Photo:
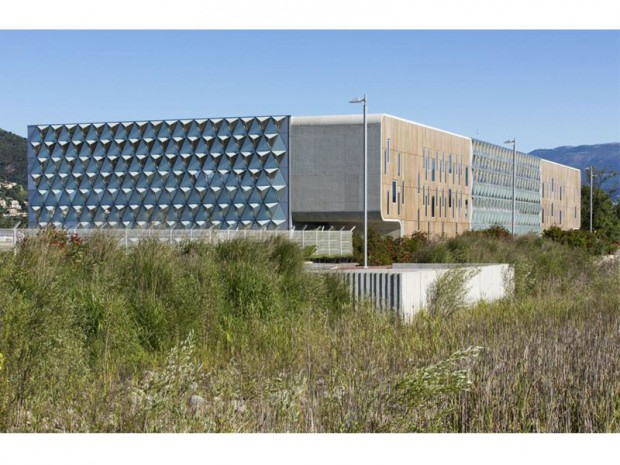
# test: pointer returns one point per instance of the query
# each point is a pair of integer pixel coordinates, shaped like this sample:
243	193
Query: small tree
605	217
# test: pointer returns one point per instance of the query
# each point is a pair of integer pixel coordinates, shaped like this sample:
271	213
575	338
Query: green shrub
448	293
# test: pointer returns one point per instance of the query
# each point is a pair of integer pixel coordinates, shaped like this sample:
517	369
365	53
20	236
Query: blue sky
546	88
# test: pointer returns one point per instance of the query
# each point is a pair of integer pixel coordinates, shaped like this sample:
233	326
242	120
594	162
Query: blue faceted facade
211	172
492	188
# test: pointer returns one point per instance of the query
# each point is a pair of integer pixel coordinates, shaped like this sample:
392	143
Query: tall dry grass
238	338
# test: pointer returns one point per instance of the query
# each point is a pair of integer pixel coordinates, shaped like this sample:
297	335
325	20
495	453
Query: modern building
560	195
210	172
418	176
279	172
492	191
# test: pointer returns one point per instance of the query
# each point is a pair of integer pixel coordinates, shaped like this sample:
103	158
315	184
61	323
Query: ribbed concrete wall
404	288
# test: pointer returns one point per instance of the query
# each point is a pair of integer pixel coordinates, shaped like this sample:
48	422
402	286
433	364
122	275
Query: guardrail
327	243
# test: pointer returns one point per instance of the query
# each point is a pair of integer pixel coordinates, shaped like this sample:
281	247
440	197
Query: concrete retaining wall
404	287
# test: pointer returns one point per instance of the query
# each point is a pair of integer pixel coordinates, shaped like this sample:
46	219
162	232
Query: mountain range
13	164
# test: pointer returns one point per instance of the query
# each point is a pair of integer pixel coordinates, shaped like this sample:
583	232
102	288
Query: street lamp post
365	102
591	190
514	180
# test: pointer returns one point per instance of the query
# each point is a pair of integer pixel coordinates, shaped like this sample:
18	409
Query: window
466	175
398	204
552	210
575	212
403	192
450	164
560	216
387	198
418	182
387	156
399	163
433	206
560	195
449	197
542	213
418	219
552	187
394	191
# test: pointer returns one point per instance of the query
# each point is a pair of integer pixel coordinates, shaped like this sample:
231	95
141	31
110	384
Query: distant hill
13	158
601	156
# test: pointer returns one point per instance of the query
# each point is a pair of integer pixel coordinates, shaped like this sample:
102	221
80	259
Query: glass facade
492	188
212	172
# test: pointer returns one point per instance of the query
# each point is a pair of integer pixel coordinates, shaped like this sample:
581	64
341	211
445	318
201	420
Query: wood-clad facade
560	196
425	178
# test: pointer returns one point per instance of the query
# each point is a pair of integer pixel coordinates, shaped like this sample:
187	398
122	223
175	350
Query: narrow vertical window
543	188
449	198
542	215
433	170
394	191
560	216
387	198
399	163
433	206
552	210
466	176
403	192
398	203
418	218
575	212
560	192
450	164
418	182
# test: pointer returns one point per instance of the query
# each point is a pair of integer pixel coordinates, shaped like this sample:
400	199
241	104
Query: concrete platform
404	287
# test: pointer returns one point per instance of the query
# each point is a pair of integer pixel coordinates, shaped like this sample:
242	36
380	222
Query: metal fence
326	243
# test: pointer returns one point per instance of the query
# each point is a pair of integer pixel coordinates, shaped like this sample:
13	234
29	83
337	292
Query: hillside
601	156
13	162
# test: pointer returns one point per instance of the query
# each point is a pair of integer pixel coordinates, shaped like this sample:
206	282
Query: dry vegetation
238	338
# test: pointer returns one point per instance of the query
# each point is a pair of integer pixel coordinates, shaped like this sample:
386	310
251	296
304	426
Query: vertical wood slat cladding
560	181
452	197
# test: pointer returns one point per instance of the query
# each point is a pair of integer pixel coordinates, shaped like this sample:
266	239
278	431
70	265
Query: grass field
236	337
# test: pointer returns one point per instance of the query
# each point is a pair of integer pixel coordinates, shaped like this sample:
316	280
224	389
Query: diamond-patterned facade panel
212	172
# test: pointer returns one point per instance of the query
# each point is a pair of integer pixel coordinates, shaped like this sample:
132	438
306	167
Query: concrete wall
404	288
327	163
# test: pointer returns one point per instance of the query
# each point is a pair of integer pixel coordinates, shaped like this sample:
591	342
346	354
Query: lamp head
356	100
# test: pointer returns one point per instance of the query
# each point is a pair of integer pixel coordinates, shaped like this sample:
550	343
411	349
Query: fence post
329	242
15	237
316	240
